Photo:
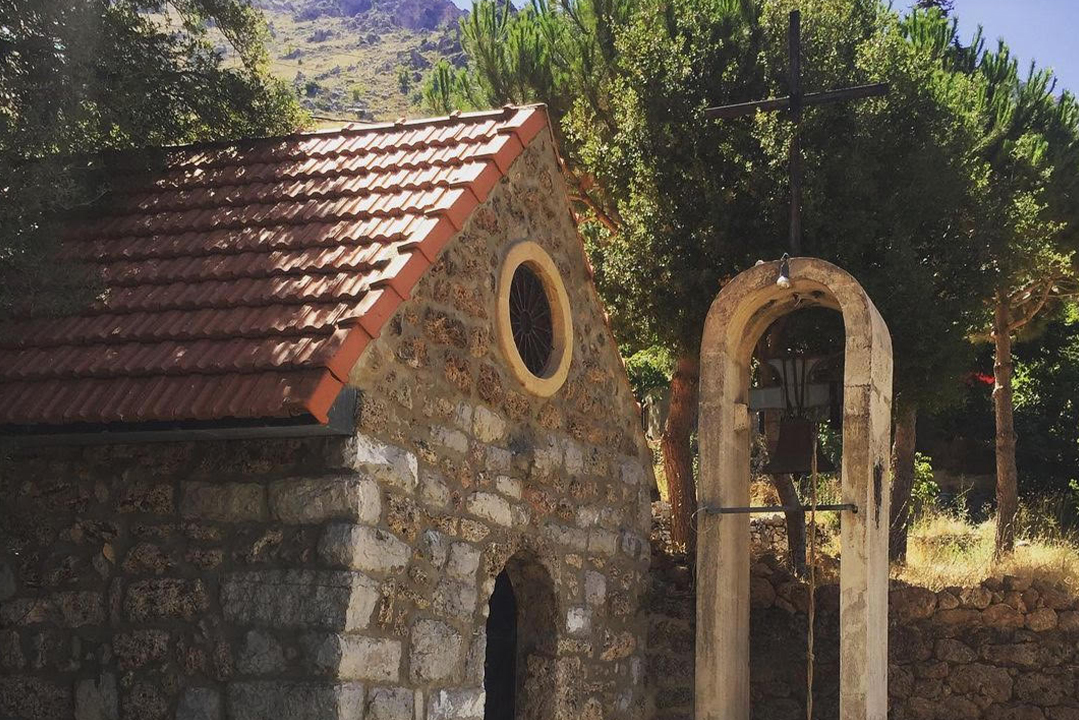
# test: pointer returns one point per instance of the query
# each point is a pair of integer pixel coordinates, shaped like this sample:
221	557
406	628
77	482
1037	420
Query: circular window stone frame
540	263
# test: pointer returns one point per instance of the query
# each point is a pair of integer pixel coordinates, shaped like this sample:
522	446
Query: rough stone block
464	561
390	704
316	500
912	603
137	648
434	547
633	472
1003	616
547	458
199	703
387	463
574	458
595	587
277	700
579	621
510	487
436	651
992	683
456	599
462	416
433	489
499	459
955	651
96	699
603	542
567	537
335	600
224	502
361	547
355	657
165	598
1068	621
490	507
260	654
79	607
34	698
1042	619
449	439
488	426
456	704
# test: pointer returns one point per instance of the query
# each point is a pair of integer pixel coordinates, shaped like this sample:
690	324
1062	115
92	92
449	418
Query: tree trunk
906	424
1007	489
796	522
677	454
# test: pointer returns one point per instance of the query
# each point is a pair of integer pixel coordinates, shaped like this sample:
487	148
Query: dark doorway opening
500	664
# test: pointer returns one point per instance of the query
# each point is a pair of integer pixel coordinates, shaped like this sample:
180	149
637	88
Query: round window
530	319
535	326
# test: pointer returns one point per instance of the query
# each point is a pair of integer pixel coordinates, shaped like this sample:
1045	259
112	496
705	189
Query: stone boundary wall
1005	650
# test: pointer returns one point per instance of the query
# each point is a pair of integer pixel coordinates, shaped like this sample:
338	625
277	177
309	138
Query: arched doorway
522	641
739	315
500	662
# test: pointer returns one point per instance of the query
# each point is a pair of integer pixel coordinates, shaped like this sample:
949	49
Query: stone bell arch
740	314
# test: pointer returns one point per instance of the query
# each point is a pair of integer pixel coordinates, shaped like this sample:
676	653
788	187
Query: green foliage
674	204
925	490
648	369
1047	406
80	78
404	80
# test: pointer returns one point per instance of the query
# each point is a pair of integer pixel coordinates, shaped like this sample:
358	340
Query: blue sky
1043	30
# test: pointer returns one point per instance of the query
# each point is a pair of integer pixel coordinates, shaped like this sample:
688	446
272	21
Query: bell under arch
738	317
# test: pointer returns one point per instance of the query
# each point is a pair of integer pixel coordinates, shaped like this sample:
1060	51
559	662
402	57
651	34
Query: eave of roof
246	280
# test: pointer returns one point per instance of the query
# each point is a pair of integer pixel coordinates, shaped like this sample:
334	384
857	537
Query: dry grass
947	549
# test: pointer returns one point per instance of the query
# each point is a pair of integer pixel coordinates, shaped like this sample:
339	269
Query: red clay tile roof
244	282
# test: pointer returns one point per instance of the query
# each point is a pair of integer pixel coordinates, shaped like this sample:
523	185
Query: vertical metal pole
794	49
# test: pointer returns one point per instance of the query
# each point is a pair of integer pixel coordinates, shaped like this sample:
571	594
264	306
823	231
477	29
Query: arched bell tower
740	314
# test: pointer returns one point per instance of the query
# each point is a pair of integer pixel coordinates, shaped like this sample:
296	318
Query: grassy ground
947	548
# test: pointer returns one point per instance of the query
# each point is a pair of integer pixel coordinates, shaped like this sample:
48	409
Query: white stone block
435	651
316	500
464	561
362	547
367	658
456	704
387	463
510	487
595	588
449	439
490	507
579	621
488	426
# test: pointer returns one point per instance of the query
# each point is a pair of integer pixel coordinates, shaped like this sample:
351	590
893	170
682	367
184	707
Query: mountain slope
360	59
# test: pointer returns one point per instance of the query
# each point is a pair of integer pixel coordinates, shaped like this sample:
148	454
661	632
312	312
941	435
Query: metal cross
794	103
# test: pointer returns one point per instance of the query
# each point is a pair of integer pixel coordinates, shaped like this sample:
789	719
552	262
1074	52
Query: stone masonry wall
562	482
1005	650
349	579
186	580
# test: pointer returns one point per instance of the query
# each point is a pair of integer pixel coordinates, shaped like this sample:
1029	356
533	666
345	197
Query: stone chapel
346	437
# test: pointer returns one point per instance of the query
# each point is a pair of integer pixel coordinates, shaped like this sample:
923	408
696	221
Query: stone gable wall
349	578
1005	650
500	473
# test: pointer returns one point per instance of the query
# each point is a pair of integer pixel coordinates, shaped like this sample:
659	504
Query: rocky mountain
360	59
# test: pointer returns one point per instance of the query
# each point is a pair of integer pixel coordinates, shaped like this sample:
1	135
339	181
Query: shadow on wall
522	641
